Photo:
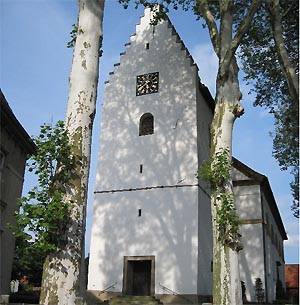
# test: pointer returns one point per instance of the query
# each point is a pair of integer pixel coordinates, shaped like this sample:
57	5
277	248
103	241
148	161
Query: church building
152	231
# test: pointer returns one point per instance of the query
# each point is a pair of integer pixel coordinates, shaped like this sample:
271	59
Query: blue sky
35	66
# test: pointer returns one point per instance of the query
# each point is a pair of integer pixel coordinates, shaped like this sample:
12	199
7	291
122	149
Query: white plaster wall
237	175
251	257
259	256
171	153
166	229
248	203
205	256
169	225
272	254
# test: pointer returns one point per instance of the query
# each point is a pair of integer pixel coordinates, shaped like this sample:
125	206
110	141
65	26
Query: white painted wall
167	229
272	254
260	255
247	200
174	220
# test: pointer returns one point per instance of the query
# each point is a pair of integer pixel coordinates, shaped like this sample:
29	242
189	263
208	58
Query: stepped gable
145	19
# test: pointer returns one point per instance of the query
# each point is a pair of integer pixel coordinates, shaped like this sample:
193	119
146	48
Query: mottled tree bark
226	276
226	279
63	276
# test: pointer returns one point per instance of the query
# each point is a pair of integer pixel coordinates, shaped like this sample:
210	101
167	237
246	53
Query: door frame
127	259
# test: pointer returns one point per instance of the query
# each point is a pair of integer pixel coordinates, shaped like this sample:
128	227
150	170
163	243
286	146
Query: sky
35	65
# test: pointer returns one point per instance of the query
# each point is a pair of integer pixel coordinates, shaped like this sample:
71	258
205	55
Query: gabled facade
152	232
262	232
15	145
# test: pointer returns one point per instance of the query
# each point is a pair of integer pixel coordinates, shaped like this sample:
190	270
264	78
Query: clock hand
145	84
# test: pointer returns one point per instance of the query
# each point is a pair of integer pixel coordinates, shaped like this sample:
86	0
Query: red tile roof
292	275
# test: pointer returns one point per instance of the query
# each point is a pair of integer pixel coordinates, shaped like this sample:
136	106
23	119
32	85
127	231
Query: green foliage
28	260
286	146
227	219
262	69
240	8
43	214
73	34
27	297
217	172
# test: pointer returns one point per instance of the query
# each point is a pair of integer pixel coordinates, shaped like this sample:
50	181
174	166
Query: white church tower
151	231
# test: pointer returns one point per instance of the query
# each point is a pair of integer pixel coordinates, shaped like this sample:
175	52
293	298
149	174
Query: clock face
147	83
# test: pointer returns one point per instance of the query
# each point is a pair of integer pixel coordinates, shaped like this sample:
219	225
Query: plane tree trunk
63	275
226	237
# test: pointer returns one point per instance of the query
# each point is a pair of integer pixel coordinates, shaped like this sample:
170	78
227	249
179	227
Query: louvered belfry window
146	124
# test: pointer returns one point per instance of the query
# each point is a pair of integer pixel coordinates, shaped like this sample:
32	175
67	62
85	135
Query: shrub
259	291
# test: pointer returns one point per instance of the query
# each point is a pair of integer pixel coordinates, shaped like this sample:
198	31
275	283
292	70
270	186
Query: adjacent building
15	145
152	231
262	232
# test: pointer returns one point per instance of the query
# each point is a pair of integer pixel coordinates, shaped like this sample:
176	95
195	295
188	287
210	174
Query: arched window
146	124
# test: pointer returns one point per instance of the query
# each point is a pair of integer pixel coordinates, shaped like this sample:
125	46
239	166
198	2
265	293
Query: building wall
11	188
273	251
262	256
166	229
247	200
14	147
170	225
173	108
205	275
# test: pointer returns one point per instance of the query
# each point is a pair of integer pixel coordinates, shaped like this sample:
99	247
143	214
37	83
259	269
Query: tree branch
226	21
241	31
287	11
203	9
283	56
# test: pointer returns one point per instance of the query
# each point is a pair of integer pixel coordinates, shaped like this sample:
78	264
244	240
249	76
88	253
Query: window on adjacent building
146	124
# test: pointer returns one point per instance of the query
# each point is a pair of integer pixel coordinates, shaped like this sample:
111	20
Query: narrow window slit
147	46
139	212
141	168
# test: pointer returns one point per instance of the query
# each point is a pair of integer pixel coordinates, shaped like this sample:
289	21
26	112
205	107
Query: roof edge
9	121
265	185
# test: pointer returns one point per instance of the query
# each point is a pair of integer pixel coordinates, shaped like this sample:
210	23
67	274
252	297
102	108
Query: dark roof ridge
9	120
